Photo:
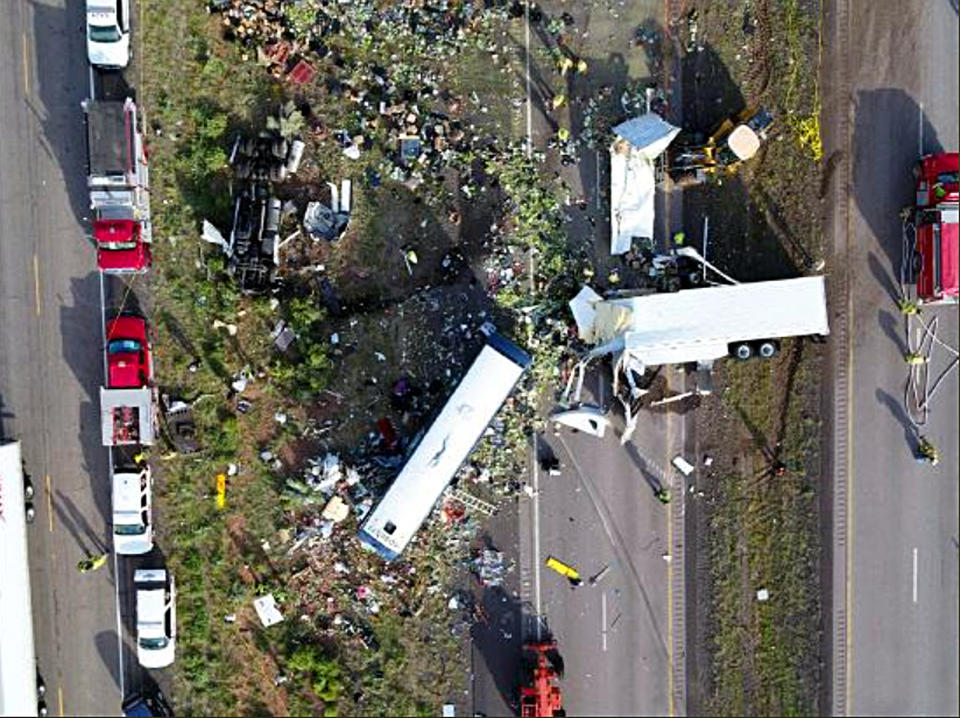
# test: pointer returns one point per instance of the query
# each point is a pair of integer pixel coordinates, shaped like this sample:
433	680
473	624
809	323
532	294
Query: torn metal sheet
330	222
633	178
588	419
584	313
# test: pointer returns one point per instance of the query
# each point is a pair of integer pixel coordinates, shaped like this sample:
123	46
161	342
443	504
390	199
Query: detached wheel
767	349
742	351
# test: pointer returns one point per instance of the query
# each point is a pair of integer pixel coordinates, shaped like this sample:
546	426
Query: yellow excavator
736	140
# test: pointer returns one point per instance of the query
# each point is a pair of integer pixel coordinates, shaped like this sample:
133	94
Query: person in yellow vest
92	563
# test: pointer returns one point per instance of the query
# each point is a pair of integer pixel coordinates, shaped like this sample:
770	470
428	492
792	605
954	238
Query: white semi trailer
18	662
703	324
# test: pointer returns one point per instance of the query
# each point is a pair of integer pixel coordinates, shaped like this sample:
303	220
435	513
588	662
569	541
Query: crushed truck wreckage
702	324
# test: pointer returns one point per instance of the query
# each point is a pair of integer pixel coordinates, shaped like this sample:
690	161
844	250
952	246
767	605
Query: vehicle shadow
109	649
890	133
60	82
5	414
80	332
497	636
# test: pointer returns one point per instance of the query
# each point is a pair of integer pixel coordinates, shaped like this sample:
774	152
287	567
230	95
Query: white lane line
36	281
26	66
90	69
536	540
529	100
603	619
116	596
914	574
49	502
116	560
596	189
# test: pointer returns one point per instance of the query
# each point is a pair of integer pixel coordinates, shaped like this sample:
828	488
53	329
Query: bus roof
18	663
446	445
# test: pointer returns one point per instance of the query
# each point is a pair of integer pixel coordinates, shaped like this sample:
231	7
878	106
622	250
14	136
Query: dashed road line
49	502
36	281
26	65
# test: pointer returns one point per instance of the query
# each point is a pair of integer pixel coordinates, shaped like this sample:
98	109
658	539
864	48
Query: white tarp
632	178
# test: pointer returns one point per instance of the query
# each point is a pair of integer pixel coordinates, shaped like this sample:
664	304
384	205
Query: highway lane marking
670	679
603	619
670	605
36	281
116	595
914	574
596	182
49	502
90	75
529	100
60	699
26	66
536	539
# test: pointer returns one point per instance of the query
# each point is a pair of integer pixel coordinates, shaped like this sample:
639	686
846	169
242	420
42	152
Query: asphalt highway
902	570
51	356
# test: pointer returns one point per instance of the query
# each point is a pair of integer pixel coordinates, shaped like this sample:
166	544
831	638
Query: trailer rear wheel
767	349
742	351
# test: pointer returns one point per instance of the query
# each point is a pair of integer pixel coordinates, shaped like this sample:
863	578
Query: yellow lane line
49	504
60	699
26	66
36	281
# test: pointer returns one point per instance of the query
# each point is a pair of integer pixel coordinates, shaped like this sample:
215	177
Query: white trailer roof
445	446
18	663
698	324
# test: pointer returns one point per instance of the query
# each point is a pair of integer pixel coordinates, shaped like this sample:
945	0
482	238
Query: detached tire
767	349
742	351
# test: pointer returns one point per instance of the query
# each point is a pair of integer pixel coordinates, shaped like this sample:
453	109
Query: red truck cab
120	247
129	363
935	256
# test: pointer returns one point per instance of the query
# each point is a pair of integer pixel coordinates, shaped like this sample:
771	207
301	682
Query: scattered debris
589	419
329	222
682	465
336	510
267	611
